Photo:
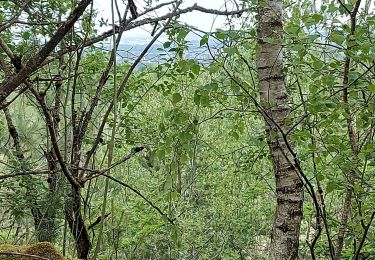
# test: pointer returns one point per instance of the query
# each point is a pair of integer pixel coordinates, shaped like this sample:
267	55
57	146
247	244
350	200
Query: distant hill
132	47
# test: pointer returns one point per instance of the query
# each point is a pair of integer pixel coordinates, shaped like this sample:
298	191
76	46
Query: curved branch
149	202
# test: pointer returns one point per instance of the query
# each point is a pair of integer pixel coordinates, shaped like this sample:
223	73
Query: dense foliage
169	160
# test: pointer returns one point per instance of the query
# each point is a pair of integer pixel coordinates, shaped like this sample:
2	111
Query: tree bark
275	108
353	141
77	224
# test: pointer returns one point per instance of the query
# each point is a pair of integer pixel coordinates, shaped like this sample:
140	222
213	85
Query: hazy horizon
203	21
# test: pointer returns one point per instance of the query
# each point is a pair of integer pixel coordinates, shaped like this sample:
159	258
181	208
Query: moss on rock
11	248
42	249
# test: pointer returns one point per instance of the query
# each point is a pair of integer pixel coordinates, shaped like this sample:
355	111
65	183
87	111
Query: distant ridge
132	46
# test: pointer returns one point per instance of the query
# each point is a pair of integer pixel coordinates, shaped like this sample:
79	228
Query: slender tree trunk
46	224
274	100
111	145
77	224
353	141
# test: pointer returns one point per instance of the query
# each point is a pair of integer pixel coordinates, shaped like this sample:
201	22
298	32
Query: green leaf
292	29
331	186
371	87
337	37
164	217
205	100
210	86
181	118
203	41
195	68
176	97
220	35
174	195
182	34
26	35
214	67
320	177
160	154
168	183
235	135
174	234
318	64
197	98
231	50
317	17
167	44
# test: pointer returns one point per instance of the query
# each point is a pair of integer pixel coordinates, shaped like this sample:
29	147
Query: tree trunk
353	140
275	108
76	224
46	225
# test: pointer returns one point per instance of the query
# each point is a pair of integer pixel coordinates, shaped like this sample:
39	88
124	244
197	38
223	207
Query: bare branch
6	176
130	24
171	221
95	173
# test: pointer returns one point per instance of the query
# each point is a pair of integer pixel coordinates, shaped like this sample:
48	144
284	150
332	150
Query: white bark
274	100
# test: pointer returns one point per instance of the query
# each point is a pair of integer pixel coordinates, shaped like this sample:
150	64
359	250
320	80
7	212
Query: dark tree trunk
76	224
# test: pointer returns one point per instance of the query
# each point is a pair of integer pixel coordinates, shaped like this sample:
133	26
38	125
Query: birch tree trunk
274	102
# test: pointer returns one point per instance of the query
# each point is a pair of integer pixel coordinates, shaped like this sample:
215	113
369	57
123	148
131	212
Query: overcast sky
205	22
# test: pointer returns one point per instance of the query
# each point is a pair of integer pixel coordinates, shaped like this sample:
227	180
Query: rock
44	250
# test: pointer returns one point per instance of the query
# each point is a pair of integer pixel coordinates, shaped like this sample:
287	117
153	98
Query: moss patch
43	249
11	248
